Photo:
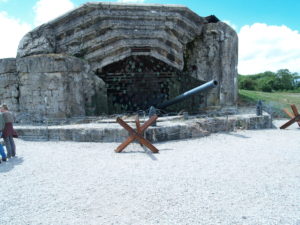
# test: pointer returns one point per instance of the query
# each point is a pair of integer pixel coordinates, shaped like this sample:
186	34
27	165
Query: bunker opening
139	82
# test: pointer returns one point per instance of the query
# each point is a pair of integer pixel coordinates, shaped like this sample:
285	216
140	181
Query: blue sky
269	31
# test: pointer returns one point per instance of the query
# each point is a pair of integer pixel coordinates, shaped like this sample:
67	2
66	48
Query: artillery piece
202	88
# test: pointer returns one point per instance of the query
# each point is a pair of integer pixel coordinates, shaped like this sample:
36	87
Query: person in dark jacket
8	131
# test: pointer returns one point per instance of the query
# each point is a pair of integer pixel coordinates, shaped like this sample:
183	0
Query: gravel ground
244	177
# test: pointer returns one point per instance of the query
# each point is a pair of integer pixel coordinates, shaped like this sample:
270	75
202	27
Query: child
2	153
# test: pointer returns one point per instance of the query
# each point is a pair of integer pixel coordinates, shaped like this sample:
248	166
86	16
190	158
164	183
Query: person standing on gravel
8	131
2	124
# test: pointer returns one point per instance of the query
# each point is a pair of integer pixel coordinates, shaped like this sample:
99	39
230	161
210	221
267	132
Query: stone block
50	63
8	65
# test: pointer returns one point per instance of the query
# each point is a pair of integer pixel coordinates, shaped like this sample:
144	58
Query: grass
273	102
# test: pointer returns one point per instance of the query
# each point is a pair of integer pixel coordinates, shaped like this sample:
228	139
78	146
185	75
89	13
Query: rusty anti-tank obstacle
137	134
294	118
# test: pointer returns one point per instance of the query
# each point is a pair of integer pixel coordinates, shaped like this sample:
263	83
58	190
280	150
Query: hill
273	102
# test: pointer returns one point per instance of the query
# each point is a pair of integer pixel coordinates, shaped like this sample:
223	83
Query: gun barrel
204	87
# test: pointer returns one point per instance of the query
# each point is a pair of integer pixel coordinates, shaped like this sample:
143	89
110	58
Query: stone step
33	138
164	131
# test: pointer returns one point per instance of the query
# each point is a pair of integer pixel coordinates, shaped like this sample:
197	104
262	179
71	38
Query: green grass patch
273	102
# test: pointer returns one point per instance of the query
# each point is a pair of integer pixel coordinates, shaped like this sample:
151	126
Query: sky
268	30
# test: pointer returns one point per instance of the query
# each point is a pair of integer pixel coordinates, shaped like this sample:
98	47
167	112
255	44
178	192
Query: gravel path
244	177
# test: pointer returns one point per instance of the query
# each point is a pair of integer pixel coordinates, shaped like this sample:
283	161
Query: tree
247	83
284	80
268	81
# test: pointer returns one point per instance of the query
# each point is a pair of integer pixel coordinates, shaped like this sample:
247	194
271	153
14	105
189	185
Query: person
2	153
8	131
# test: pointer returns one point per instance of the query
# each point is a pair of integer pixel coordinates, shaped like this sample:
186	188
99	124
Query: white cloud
263	47
12	32
131	1
47	10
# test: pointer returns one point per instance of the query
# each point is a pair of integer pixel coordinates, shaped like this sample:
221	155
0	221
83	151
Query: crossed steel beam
294	117
137	134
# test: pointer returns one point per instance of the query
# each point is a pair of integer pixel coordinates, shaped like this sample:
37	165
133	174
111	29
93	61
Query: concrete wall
9	83
50	85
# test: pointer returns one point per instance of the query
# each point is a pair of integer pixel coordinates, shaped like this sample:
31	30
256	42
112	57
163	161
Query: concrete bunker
117	58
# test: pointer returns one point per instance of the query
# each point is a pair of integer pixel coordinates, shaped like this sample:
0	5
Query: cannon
202	88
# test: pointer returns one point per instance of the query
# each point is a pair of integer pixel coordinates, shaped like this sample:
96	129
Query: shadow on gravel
10	164
237	135
146	151
151	155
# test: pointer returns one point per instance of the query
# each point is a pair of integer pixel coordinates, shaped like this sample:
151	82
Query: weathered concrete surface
58	66
214	55
56	85
50	85
104	33
9	84
106	131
